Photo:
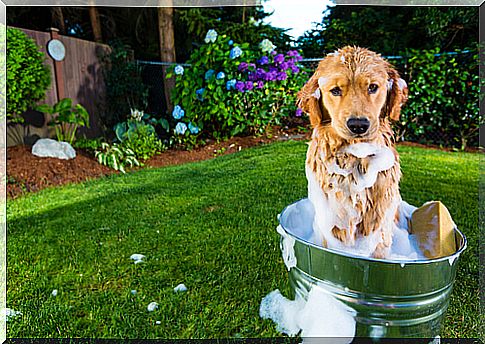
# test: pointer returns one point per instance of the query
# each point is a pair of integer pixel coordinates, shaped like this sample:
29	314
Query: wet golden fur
352	70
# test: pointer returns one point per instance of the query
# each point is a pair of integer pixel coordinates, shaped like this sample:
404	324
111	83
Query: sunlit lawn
209	225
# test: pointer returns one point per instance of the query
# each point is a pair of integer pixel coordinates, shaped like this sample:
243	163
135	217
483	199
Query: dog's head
352	88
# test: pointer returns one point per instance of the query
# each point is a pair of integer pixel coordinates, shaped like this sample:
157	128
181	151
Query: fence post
58	68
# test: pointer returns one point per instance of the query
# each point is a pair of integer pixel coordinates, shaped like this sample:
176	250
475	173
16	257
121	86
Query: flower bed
232	89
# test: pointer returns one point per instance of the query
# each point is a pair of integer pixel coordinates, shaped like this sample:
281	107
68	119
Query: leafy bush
138	134
116	156
233	89
27	76
90	145
68	118
443	99
144	143
124	86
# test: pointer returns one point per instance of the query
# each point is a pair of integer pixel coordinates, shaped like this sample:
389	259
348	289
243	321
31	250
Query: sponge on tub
434	230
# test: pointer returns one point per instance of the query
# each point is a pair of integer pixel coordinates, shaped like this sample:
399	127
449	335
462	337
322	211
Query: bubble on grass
152	306
322	315
180	288
8	314
138	258
54	292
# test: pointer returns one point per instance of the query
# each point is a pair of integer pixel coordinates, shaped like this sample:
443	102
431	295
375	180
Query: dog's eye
372	88
336	91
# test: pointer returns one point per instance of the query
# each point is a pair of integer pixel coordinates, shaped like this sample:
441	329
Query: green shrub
27	76
231	89
68	118
138	134
144	143
116	156
443	99
90	145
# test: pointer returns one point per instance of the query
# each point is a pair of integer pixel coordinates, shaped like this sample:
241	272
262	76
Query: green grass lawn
210	225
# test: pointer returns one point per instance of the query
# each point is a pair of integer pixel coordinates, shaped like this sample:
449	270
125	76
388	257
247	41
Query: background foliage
443	99
391	30
125	89
27	76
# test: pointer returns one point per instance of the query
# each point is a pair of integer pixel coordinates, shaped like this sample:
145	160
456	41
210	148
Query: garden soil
29	173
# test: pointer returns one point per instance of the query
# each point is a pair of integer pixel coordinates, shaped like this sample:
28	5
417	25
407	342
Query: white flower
211	36
179	70
137	115
8	313
152	306
267	46
54	292
133	292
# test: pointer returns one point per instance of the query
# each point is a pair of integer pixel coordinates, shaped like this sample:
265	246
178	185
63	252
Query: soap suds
322	315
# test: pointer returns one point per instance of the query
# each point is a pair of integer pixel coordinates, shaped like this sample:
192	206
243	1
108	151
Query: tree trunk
95	24
58	19
167	49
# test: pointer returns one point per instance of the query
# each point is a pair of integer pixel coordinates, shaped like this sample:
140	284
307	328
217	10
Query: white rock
152	306
180	288
48	148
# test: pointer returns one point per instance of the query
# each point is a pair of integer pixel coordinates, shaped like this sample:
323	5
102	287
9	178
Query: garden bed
28	173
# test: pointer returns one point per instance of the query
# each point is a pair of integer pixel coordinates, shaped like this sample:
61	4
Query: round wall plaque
56	49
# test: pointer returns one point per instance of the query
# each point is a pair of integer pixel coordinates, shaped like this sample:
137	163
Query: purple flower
273	69
298	112
252	65
260	73
270	76
249	85
281	76
292	53
260	84
279	58
252	76
295	69
240	86
273	52
298	58
242	66
284	66
263	60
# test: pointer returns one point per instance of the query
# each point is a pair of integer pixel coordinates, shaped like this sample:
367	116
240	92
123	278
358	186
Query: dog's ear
397	94
310	101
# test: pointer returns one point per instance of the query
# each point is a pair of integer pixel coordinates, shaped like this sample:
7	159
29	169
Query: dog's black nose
358	125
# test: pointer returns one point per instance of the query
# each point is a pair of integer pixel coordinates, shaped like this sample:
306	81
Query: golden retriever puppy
352	167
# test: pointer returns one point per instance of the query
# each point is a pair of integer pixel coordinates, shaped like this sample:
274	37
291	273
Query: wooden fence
79	77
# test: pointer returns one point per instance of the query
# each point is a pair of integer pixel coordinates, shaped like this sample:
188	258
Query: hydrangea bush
232	89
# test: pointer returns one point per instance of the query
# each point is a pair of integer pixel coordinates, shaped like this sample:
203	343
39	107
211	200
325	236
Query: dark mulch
28	173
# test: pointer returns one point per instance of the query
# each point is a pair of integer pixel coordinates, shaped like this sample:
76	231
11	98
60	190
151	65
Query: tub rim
452	257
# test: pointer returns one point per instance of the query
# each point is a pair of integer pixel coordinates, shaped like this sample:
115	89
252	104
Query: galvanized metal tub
392	298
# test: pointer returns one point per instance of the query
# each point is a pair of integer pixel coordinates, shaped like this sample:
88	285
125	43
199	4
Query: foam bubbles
322	315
